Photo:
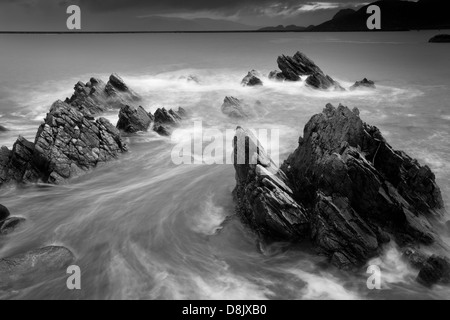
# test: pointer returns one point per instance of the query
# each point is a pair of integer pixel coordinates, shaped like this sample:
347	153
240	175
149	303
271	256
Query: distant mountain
160	23
395	15
282	28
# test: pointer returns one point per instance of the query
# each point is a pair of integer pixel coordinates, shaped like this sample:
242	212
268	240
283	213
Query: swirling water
144	228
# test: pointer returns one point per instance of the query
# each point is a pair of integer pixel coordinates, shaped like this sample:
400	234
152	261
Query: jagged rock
166	120
264	200
67	143
357	191
233	108
252	79
11	224
132	120
436	270
96	97
298	65
364	83
3	129
34	266
4	214
277	75
323	82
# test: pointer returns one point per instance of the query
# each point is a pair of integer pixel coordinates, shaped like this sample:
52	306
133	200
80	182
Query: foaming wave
210	218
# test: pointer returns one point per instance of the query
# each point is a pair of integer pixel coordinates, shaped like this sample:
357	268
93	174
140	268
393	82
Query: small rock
277	75
132	120
3	129
233	108
11	224
364	83
4	214
252	79
166	120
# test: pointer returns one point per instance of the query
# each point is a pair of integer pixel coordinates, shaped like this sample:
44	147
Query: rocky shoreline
344	189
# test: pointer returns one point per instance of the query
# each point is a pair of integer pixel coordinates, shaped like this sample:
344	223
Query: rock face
364	83
166	120
440	38
96	97
66	144
292	68
132	120
356	192
39	264
252	79
233	108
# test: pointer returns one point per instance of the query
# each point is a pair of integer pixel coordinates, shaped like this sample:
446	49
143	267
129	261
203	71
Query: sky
112	15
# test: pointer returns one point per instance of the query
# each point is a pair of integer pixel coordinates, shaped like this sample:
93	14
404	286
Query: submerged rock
96	97
356	192
436	270
166	120
34	266
132	120
233	108
67	143
11	224
364	83
252	79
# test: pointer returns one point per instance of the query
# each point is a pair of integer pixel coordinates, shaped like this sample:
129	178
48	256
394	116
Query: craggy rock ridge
66	144
166	120
96	97
344	188
132	120
233	108
293	68
252	79
364	83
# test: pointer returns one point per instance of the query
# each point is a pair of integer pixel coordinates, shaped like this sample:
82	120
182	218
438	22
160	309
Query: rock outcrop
37	265
354	191
364	83
252	79
67	143
96	97
166	120
233	108
293	68
132	120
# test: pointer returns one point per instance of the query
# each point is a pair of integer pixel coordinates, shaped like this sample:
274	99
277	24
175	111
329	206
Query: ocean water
142	227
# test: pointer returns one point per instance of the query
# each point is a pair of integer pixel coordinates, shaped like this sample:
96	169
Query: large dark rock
364	83
323	82
4	214
34	266
68	143
440	38
132	120
233	108
166	120
264	200
96	97
436	270
293	68
296	66
356	191
252	79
